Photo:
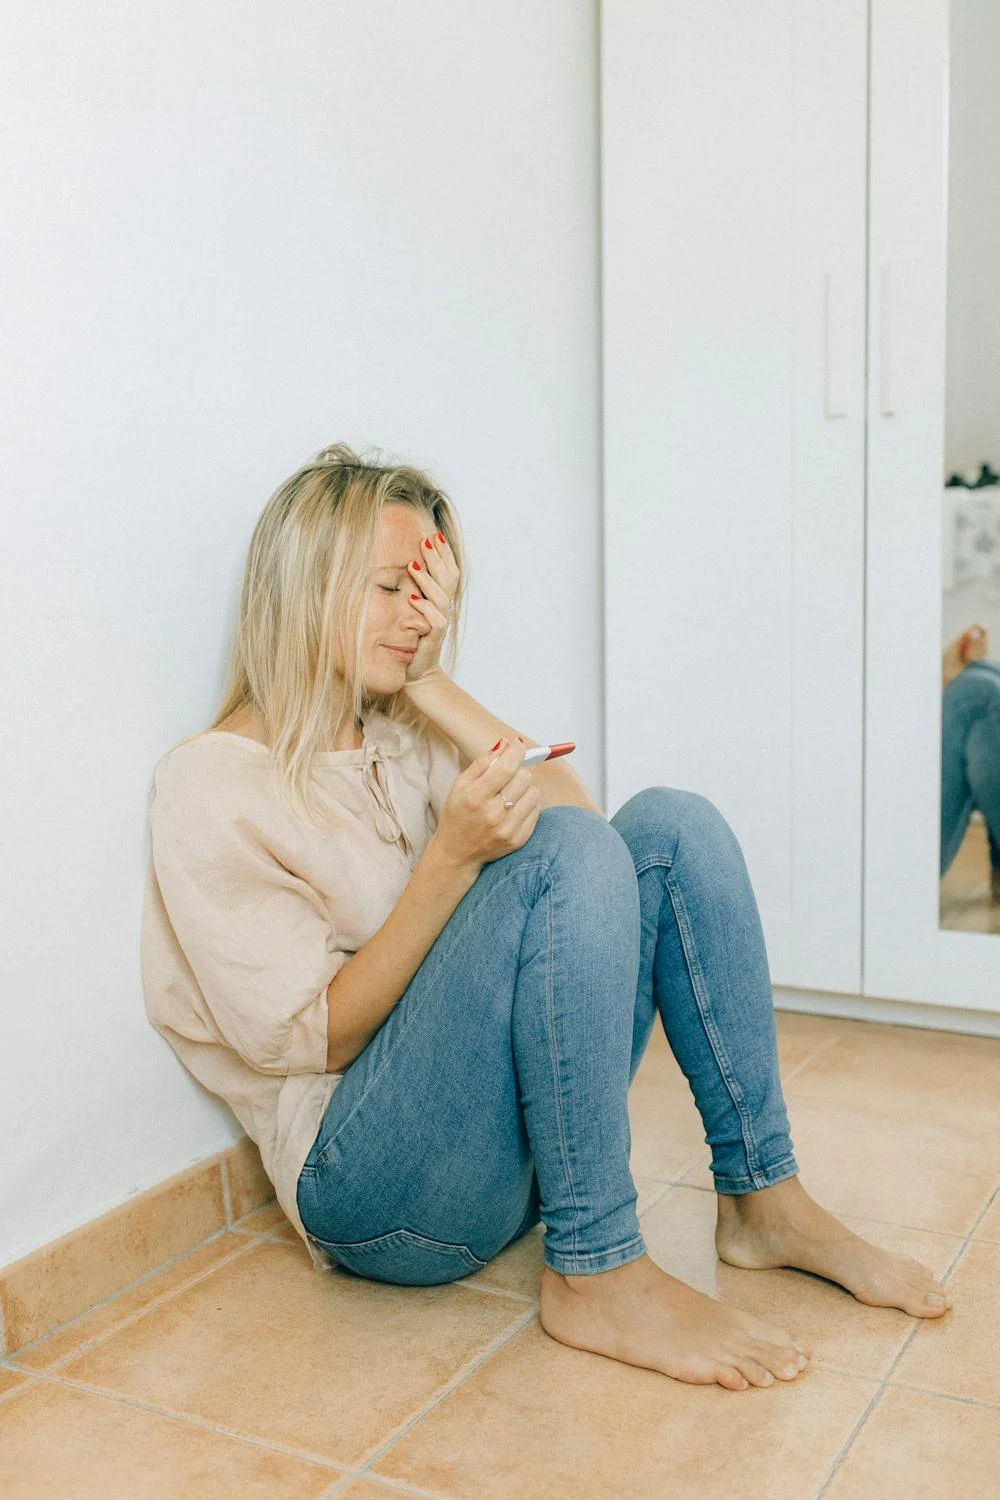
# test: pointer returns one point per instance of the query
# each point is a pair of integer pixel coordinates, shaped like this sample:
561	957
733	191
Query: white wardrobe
774	208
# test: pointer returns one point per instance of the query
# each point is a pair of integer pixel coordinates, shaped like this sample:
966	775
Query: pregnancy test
546	752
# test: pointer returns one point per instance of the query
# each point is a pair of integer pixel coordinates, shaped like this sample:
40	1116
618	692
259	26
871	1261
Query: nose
413	616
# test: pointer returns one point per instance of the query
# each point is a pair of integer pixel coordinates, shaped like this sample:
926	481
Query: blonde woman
423	976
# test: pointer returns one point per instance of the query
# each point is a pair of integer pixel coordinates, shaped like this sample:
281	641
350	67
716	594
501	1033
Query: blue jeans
495	1093
970	757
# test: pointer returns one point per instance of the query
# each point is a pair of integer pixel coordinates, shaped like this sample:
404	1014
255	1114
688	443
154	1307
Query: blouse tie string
386	818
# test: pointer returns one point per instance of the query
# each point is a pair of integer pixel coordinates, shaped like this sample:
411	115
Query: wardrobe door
927	59
733	201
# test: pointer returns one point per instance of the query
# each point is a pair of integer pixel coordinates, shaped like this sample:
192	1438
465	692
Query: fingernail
427	544
416	565
415	596
497	745
440	537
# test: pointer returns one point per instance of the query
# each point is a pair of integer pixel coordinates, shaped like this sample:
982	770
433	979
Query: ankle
763	1205
596	1283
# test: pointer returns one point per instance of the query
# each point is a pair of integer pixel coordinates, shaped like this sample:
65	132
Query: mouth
404	655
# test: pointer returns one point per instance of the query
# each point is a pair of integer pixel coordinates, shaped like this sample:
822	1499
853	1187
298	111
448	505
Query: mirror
970	614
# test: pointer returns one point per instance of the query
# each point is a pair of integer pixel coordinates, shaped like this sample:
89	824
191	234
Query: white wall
238	233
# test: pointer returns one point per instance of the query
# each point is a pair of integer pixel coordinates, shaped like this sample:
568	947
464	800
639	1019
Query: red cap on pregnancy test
547	752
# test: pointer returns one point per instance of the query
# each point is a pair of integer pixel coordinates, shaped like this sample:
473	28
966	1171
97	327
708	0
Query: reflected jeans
970	757
495	1094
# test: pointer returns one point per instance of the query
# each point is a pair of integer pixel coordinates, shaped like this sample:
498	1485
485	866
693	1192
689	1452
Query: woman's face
393	619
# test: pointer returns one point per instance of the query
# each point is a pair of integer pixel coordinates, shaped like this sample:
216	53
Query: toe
731	1378
931	1304
784	1362
755	1373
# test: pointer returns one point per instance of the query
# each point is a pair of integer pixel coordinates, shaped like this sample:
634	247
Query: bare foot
638	1314
783	1226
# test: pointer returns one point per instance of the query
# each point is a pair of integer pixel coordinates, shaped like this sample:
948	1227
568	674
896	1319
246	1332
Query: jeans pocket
402	1257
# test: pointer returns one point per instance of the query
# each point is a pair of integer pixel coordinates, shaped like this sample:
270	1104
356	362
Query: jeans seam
703	1002
752	1183
601	1254
554	1053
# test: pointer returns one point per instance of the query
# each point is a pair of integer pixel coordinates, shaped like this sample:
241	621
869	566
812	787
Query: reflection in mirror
970	615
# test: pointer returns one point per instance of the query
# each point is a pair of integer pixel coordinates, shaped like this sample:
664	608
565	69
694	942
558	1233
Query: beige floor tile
919	1447
667	1134
81	1268
989	1227
932	1068
327	1364
958	1354
541	1419
517	1269
59	1442
889	1124
840	1331
668	1137
100	1321
802	1036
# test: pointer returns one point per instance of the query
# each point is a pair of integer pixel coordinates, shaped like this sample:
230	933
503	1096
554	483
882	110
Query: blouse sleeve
256	936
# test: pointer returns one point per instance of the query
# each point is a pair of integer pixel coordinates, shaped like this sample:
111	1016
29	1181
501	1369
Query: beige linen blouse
249	912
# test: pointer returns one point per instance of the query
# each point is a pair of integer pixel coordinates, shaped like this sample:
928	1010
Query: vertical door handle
834	395
885	405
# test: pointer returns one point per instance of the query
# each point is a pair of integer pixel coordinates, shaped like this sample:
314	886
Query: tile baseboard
99	1259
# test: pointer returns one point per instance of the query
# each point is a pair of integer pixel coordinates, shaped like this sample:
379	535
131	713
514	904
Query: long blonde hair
307	580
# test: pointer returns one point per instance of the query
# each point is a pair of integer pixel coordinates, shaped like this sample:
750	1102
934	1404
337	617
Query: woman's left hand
437	578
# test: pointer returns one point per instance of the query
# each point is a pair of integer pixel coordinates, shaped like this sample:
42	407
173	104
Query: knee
978	687
583	838
669	815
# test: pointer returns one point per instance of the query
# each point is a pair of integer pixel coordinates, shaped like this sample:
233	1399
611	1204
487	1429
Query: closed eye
387	590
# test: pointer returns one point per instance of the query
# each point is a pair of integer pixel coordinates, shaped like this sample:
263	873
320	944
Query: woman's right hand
475	827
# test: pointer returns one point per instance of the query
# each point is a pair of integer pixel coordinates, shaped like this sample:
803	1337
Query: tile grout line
132	1318
121	1292
345	1478
227	1201
884	1383
929	1390
391	1487
131	1286
190	1419
472	1367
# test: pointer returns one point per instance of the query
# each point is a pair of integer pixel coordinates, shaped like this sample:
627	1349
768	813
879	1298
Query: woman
424	977
970	747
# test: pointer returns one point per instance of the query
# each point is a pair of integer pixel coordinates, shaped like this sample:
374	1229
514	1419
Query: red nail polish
497	745
440	537
415	596
427	544
416	565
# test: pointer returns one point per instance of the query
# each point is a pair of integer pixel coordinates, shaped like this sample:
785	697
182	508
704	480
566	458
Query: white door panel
734	141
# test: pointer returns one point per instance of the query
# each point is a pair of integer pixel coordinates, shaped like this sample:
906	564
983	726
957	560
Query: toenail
935	1300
